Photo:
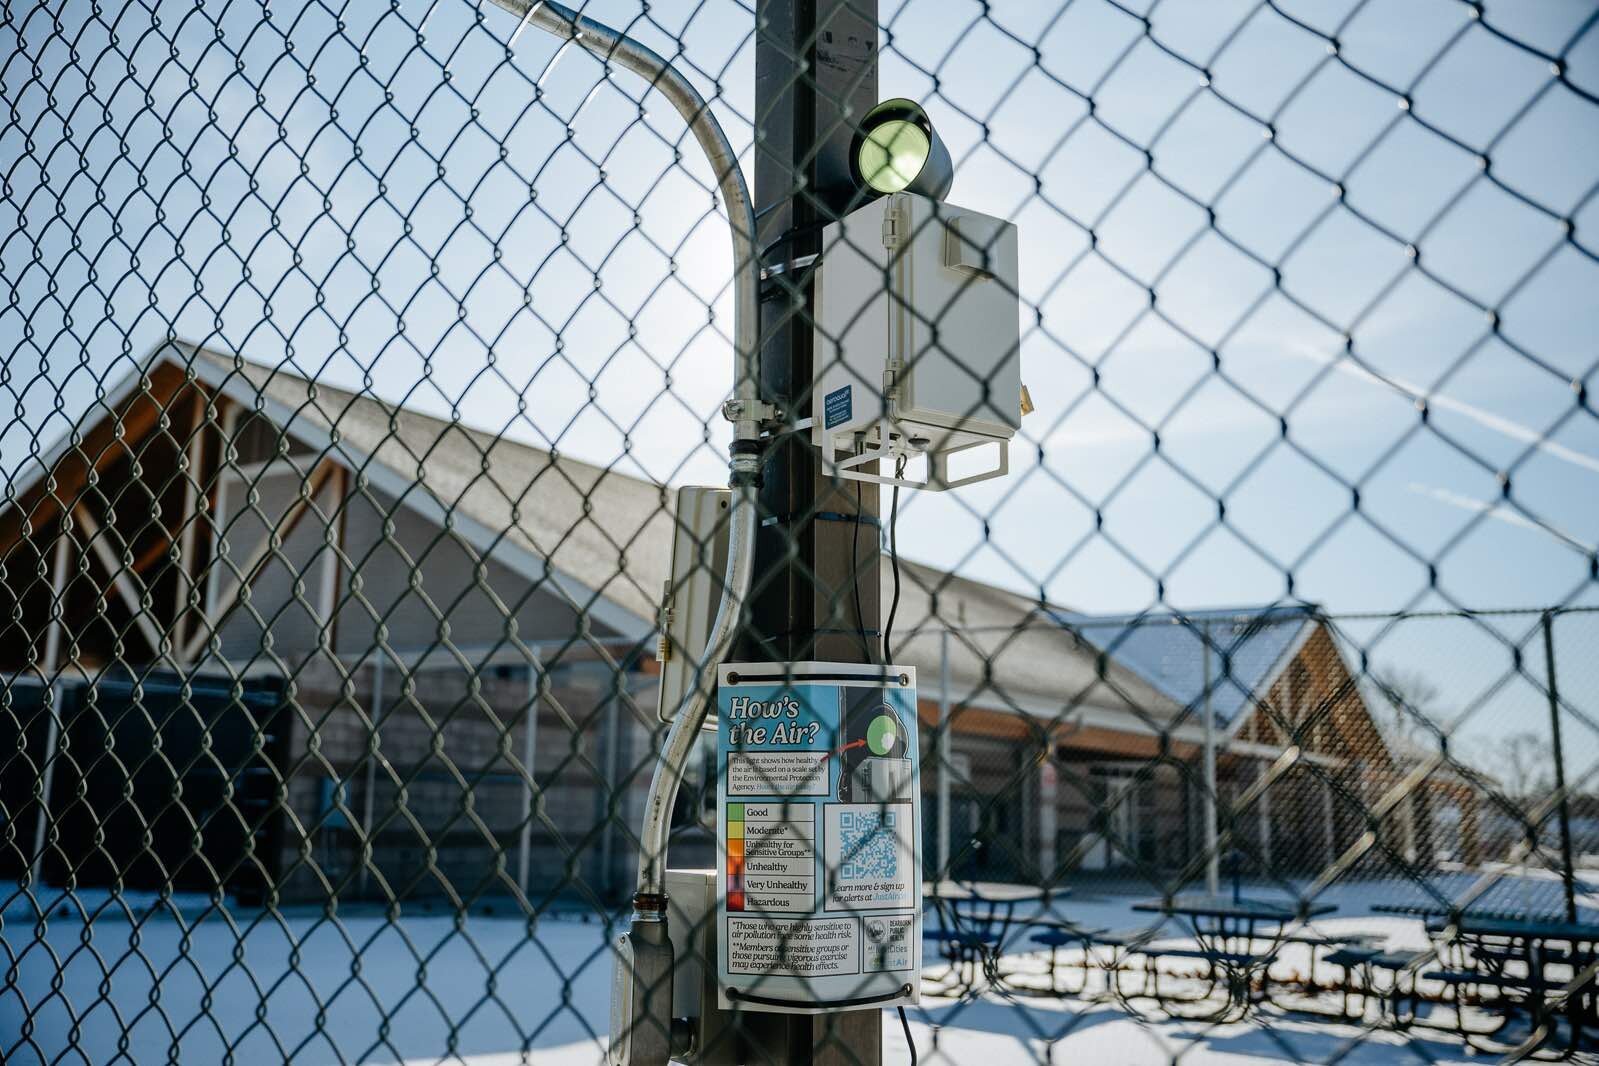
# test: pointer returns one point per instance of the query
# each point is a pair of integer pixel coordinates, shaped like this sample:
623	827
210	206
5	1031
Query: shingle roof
613	532
1249	647
1009	652
620	545
610	531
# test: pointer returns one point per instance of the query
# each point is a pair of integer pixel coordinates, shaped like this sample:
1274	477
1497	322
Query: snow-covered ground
134	980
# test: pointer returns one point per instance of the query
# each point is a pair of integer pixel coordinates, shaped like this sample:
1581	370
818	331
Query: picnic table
975	918
1529	927
1439	910
1411	910
1547	968
1227	928
998	892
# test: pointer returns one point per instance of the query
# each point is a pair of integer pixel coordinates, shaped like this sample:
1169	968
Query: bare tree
1524	763
1411	699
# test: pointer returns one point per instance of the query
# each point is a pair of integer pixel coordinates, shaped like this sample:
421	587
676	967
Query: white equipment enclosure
918	341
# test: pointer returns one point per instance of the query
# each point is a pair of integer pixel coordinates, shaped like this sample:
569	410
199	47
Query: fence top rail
1283	615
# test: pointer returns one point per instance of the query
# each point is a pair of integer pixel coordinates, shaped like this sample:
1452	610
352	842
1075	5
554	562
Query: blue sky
201	178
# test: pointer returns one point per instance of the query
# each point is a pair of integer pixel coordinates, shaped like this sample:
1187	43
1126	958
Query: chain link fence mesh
351	349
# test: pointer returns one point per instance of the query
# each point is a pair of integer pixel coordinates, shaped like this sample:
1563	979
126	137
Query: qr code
867	845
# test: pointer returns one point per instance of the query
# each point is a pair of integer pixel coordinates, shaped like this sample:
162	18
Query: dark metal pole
1567	870
815	78
815	592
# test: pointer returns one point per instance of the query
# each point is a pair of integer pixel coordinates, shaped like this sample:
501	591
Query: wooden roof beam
110	439
122	578
245	575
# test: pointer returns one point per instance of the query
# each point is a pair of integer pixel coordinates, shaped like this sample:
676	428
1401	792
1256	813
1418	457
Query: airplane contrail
1488	419
1498	512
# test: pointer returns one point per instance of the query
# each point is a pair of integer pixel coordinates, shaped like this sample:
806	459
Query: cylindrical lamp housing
896	149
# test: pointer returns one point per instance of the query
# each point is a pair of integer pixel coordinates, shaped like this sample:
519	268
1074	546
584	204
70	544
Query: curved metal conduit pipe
612	46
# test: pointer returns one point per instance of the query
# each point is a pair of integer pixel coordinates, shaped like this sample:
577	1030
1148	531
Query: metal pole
52	694
944	754
1567	871
744	410
215	572
530	732
1212	860
1263	818
815	78
368	798
612	765
1329	825
192	463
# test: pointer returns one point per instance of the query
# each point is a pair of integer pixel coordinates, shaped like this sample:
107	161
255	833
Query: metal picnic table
1525	927
976	918
998	892
1227	927
1543	946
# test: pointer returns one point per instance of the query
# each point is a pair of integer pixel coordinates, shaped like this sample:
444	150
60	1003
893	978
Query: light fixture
896	149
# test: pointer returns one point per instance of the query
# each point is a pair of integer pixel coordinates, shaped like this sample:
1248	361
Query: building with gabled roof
406	584
1300	760
388	655
366	600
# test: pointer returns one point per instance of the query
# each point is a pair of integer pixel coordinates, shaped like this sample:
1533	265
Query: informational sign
818	825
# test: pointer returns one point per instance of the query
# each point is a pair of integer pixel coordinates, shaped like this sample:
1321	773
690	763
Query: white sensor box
918	339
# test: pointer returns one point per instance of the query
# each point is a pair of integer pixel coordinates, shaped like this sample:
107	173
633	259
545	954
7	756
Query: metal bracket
641	996
865	451
663	621
734	410
797	263
799	266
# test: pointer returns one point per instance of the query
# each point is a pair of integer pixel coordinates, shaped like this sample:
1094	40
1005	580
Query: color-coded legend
771	857
735	856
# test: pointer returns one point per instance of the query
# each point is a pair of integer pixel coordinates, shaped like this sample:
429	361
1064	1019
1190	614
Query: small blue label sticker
837	407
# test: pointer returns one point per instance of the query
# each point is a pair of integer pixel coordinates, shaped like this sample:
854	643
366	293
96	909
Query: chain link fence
354	353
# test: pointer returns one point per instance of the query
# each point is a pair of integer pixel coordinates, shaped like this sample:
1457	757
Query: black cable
855	574
905	1023
893	548
791	234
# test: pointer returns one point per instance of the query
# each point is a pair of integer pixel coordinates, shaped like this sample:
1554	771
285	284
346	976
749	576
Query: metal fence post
52	695
1567	871
369	798
944	754
1263	813
611	770
530	730
1212	860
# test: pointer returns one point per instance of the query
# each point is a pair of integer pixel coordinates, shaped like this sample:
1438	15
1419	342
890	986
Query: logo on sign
837	407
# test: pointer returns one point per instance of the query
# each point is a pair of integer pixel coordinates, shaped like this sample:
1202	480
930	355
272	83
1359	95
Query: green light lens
880	735
893	154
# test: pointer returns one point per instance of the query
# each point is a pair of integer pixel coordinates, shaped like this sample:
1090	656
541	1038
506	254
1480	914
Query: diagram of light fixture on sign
869	833
876	765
